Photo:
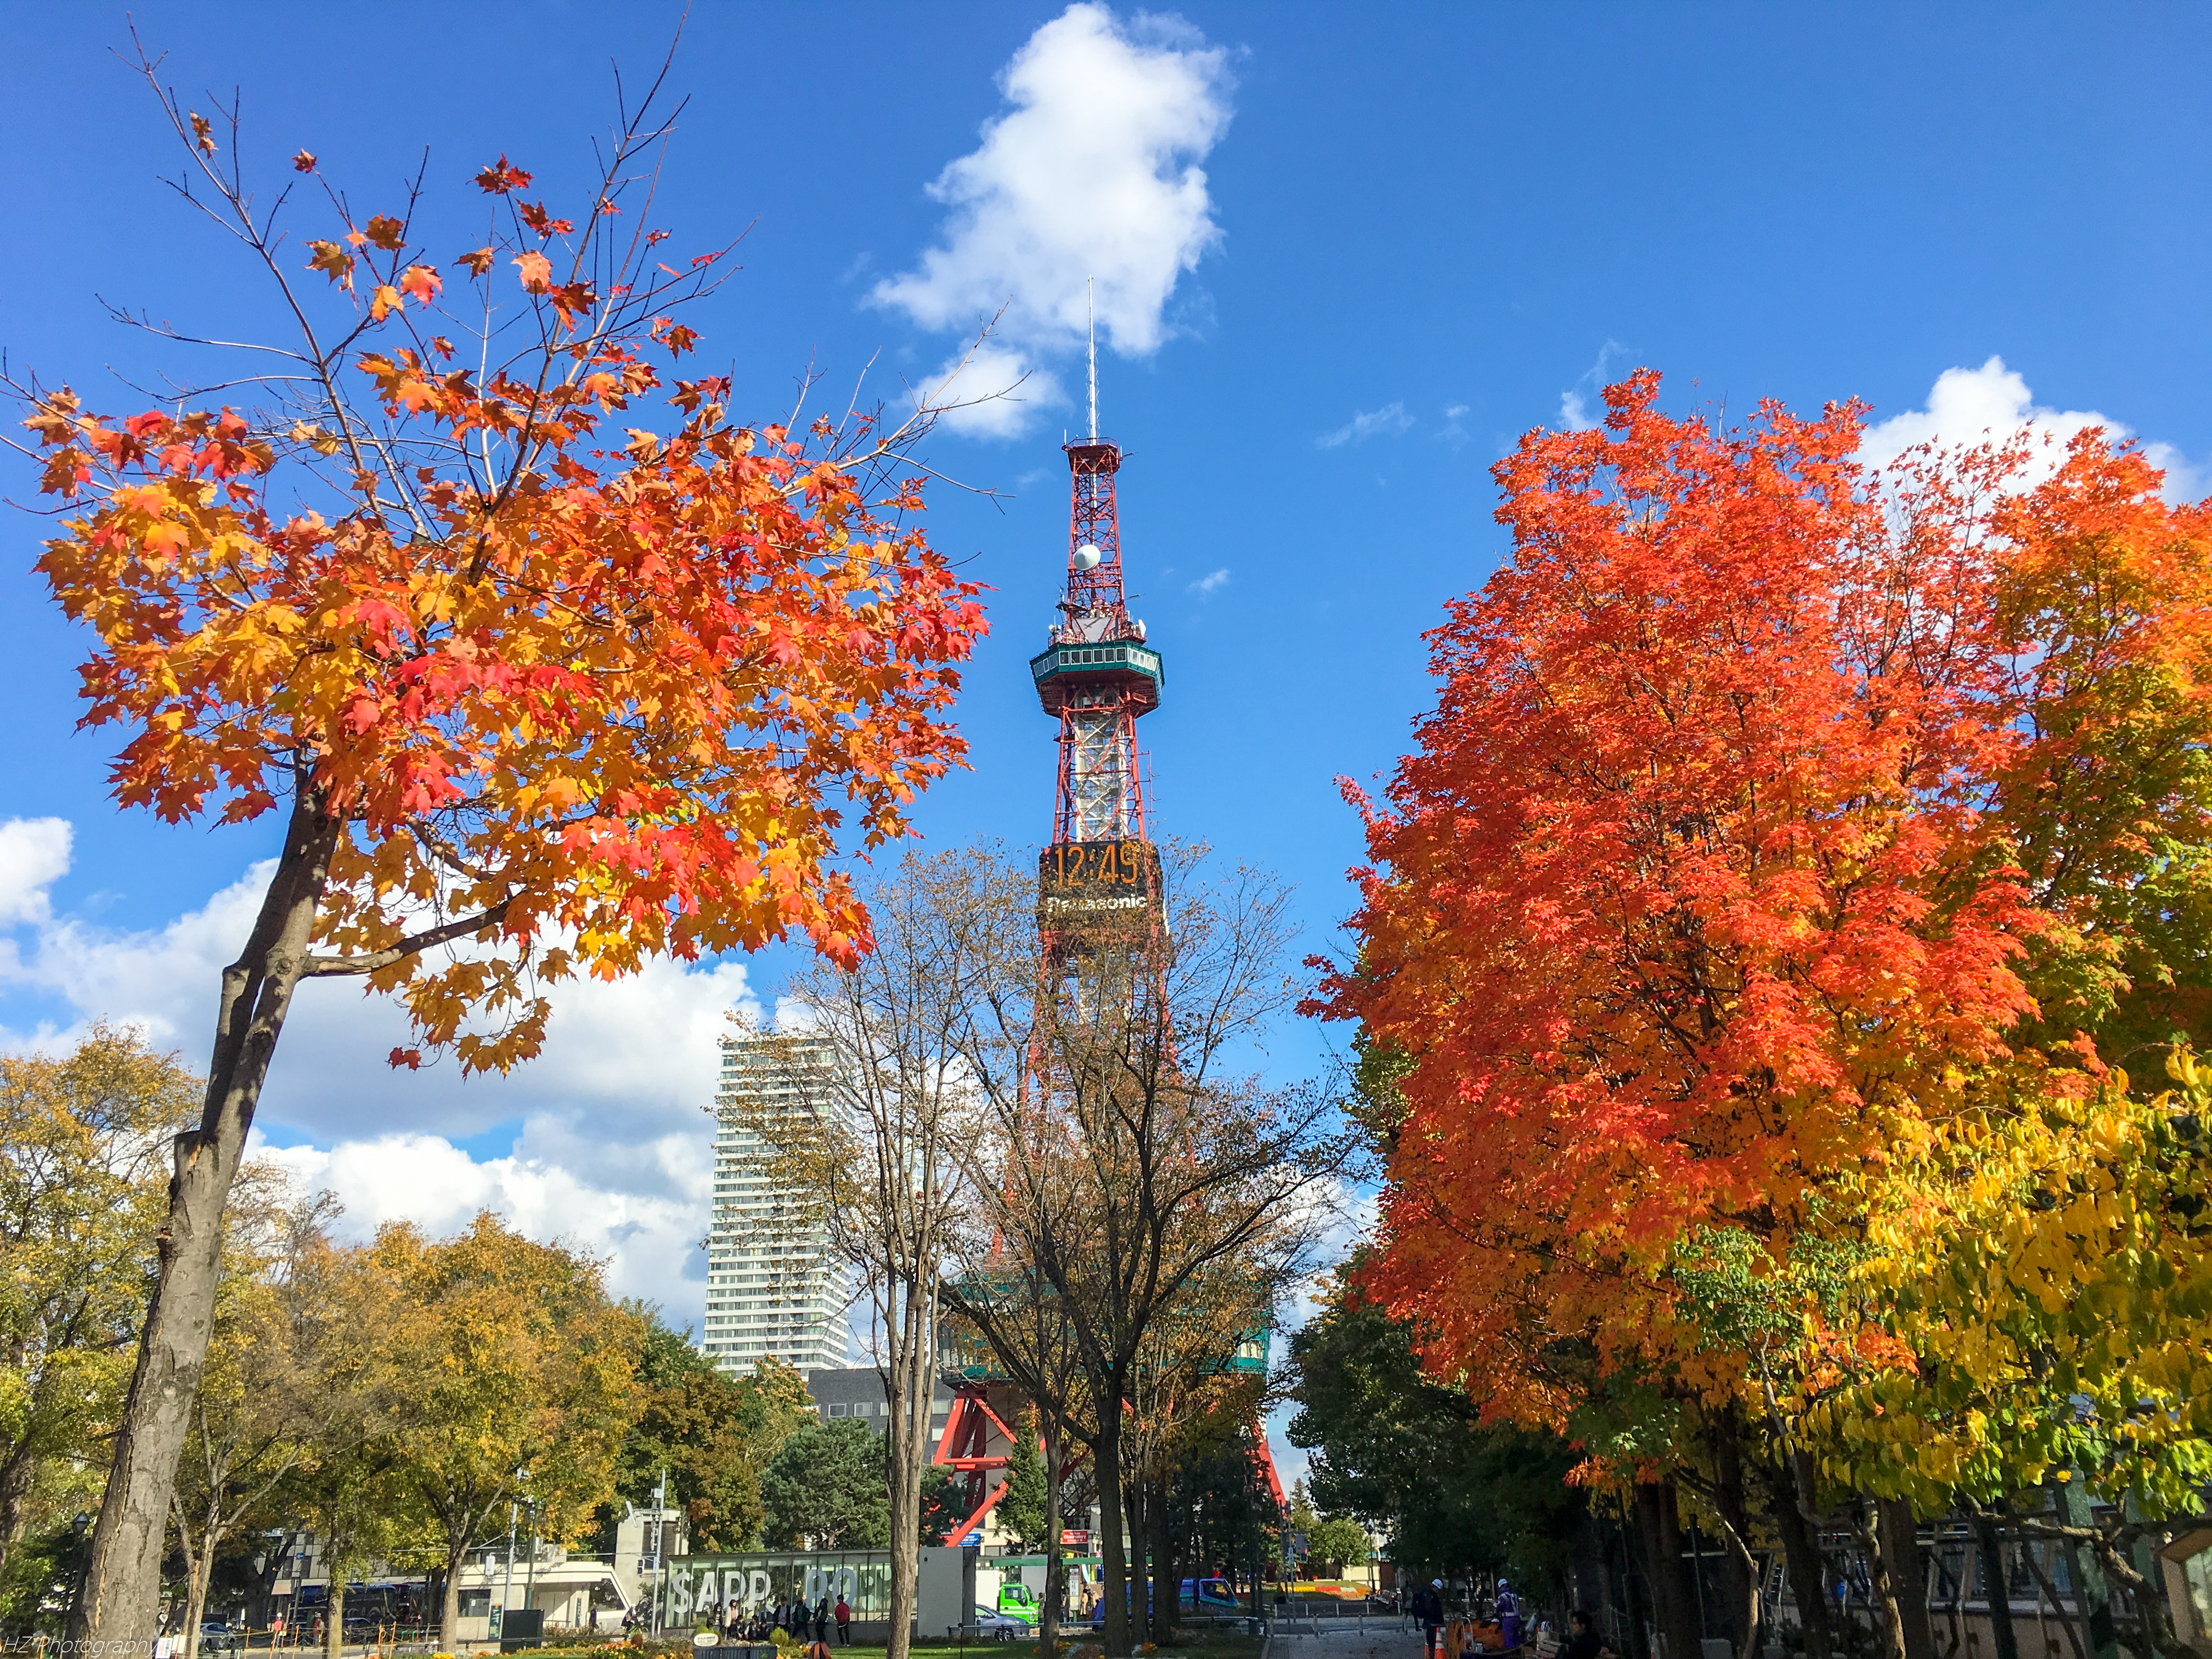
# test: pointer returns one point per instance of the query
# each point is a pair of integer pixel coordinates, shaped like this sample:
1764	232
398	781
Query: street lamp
80	1524
506	1590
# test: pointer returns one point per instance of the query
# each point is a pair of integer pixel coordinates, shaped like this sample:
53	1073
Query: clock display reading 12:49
1129	865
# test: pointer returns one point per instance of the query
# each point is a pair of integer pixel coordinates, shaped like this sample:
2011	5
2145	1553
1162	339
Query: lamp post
80	1524
506	1590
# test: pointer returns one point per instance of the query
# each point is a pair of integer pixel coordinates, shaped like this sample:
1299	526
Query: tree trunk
334	1622
1113	1560
15	1498
1898	1537
910	1384
196	1571
1881	1578
1134	1516
1998	1581
1674	1602
1049	1616
122	1598
1167	1580
449	1604
1736	1514
1801	1552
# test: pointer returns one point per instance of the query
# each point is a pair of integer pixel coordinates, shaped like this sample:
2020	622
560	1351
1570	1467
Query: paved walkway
1344	1639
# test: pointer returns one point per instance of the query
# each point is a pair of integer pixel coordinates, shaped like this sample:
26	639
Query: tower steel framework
1101	875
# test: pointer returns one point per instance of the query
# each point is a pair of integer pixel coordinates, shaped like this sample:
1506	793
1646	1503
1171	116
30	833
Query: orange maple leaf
536	271
333	261
499	178
422	282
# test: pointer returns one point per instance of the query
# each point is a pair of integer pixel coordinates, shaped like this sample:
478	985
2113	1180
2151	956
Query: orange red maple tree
535	694
1775	821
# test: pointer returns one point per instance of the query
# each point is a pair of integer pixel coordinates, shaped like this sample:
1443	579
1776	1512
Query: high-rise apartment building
772	1289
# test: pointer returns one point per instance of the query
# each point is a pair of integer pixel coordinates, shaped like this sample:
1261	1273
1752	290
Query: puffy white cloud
1387	422
648	1240
1091	178
1209	584
1968	404
615	1145
34	854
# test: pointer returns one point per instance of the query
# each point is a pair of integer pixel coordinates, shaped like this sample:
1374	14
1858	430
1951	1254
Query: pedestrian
1585	1641
844	1624
818	1649
1429	1612
821	1620
1509	1616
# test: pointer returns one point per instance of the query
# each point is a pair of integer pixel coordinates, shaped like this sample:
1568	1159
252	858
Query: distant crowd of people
739	1623
1492	1624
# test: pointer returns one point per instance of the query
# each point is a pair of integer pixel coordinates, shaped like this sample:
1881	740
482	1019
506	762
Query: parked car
216	1636
1210	1596
1002	1626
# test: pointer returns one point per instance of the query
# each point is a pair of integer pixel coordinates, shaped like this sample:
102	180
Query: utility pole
506	1590
660	1548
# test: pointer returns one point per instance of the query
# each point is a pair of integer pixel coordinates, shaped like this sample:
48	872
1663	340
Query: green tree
714	1435
1336	1542
516	1382
84	1144
1021	1511
1407	1455
825	1489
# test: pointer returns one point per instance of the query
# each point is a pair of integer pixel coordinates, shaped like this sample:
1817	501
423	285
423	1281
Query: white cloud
1093	175
994	392
1389	421
1966	405
1578	413
616	1144
34	854
647	1240
1207	585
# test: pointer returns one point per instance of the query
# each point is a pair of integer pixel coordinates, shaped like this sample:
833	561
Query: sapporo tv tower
1098	678
1099	889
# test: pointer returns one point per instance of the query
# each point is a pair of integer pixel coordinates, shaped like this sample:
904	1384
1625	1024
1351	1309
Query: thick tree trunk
1898	1537
122	1598
1167	1579
449	1604
1674	1606
1881	1579
334	1623
1049	1616
15	1498
1735	1513
1113	1560
1801	1551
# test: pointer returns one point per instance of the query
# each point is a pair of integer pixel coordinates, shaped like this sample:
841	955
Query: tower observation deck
1097	677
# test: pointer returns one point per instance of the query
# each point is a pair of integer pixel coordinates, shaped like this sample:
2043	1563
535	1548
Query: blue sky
1354	251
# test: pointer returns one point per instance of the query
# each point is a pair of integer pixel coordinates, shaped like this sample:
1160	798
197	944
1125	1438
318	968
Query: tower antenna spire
1090	307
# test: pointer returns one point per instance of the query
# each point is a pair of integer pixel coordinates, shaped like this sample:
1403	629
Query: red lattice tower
1098	677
